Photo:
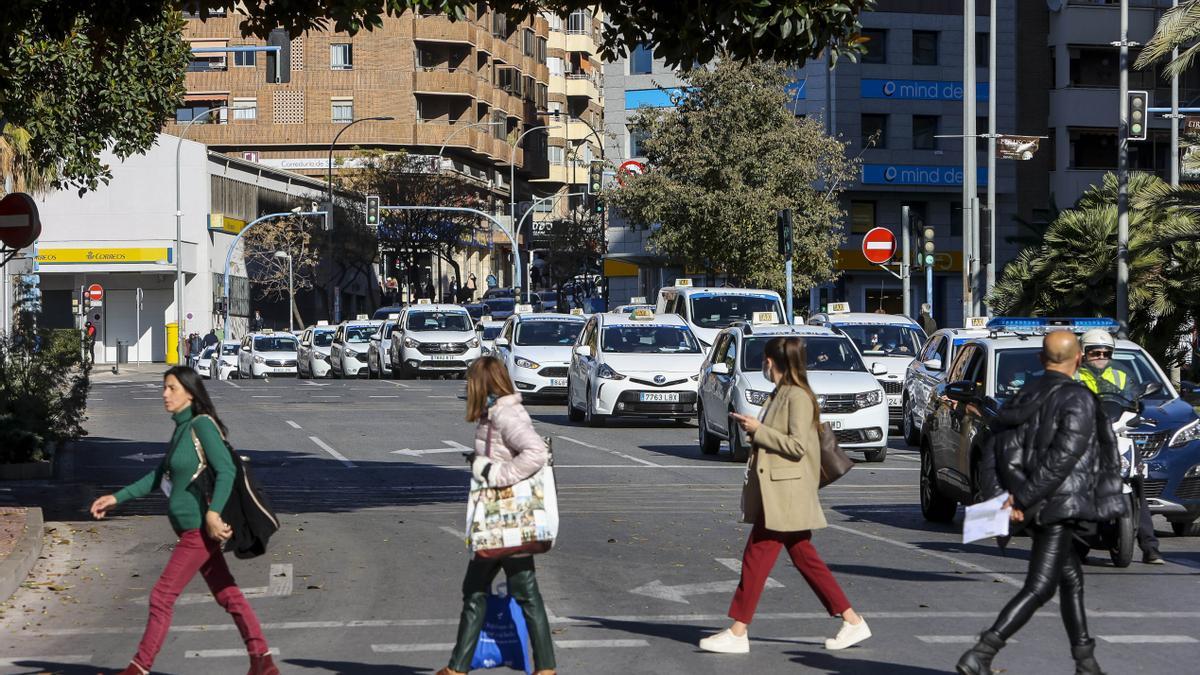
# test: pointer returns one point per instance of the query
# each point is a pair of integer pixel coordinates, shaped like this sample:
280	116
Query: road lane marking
384	396
233	384
1147	639
608	450
146	398
279	585
327	396
264	396
560	644
951	639
63	659
336	455
221	653
401	384
292	424
457	534
680	593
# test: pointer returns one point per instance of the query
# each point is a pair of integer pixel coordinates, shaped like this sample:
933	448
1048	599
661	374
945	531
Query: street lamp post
291	287
329	170
233	246
179	232
512	195
517	229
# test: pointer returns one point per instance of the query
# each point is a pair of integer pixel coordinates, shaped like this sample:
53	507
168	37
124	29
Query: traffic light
595	183
1138	115
783	227
372	211
927	248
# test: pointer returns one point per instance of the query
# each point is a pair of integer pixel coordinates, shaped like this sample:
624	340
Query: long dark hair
192	384
791	361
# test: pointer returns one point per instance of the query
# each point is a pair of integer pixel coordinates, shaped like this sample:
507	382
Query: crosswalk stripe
31	660
559	644
1147	639
221	653
950	639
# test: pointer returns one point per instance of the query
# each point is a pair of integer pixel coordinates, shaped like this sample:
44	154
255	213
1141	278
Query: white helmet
1098	337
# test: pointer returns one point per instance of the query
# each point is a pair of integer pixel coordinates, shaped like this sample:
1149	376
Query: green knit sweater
186	505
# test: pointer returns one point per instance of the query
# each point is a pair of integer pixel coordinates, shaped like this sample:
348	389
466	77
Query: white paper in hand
986	519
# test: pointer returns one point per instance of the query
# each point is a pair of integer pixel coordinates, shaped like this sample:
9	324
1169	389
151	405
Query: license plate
659	397
442	357
558	382
836	425
894	401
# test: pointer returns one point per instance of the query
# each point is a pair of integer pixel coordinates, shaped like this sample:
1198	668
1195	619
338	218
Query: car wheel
911	436
709	444
1122	552
738	451
875	455
1185	529
592	418
935	506
573	414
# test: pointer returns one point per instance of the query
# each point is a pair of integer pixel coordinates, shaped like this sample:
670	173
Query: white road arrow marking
656	589
142	457
453	446
279	585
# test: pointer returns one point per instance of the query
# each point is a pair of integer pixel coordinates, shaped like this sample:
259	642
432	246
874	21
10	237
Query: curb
16	566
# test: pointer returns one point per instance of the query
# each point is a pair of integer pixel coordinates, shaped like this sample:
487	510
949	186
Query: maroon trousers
195	552
762	550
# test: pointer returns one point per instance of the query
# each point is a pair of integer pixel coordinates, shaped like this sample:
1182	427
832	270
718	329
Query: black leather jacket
1051	449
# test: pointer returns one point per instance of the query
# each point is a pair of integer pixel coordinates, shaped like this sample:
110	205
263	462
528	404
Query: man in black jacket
1055	455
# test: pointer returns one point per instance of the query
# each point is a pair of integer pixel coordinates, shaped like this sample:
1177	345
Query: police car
313	353
987	371
888	344
225	359
377	348
434	339
635	365
731	380
929	369
488	329
267	353
536	349
348	352
707	310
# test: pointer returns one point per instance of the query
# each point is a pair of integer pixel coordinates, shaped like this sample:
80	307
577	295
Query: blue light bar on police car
1040	325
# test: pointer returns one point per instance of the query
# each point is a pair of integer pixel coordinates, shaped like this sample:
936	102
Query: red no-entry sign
879	245
19	223
95	292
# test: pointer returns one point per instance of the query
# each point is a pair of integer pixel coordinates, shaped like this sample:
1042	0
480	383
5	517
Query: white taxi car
536	349
204	362
888	344
488	330
348	352
731	380
377	348
633	365
707	310
313	355
267	353
224	360
434	339
928	370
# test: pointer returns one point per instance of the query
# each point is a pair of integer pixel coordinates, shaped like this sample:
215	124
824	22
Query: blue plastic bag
504	640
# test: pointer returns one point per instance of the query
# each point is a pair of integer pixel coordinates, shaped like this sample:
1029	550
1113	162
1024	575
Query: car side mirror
584	350
1149	389
720	368
878	368
500	342
961	391
933	364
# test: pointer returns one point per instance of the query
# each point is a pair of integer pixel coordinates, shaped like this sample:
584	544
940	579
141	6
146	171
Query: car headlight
605	371
473	343
1188	433
1124	465
321	356
410	343
259	359
350	353
867	399
757	397
526	363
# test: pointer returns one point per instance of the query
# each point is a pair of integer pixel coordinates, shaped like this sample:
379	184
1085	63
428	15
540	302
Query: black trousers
1053	566
1147	541
522	586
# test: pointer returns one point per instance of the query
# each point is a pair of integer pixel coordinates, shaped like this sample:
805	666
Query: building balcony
582	84
440	29
580	42
445	81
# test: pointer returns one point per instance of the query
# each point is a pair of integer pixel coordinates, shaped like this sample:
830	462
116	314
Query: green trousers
522	586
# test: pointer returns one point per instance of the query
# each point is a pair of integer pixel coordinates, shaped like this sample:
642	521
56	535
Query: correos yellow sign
104	256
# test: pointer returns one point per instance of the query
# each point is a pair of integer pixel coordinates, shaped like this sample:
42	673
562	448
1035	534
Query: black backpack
248	512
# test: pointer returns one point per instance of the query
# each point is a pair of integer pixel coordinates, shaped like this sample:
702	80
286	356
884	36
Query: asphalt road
364	577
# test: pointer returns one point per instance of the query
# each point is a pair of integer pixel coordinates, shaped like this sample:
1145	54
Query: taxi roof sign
524	309
839	308
683	282
977	322
486	317
322	322
576	311
639	299
424	301
393	316
765	318
361	317
642	314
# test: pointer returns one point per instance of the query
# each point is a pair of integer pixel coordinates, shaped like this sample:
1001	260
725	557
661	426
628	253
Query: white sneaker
849	635
726	642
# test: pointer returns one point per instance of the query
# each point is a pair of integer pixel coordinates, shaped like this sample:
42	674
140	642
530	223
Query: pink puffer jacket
517	450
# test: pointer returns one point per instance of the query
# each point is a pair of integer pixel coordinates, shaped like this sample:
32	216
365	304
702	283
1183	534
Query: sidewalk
103	372
20	546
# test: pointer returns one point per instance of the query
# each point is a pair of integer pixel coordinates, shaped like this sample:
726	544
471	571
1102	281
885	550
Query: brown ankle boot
134	669
447	671
543	672
262	665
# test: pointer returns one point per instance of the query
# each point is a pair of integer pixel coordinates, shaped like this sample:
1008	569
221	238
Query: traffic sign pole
905	261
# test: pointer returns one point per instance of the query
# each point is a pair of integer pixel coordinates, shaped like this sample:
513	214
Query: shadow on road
826	662
684	633
356	668
40	667
896	574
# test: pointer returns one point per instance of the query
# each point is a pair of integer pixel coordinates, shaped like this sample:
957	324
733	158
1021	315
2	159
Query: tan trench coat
785	466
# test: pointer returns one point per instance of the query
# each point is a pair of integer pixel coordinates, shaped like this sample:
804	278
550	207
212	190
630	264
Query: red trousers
762	550
195	552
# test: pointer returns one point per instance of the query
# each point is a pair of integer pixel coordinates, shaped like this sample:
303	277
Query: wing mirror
961	391
933	364
501	342
720	368
878	368
584	351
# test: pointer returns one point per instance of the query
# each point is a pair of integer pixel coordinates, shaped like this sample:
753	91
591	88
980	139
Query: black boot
978	659
1085	660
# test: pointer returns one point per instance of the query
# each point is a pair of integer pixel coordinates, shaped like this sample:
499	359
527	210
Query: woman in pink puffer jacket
507	450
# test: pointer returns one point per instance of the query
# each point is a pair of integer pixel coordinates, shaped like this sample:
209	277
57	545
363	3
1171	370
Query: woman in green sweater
197	444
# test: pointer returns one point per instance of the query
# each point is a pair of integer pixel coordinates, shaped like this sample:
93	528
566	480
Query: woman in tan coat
780	498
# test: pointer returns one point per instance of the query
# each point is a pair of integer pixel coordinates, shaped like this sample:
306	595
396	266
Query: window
554	155
555	65
245	108
244	59
508	79
527	89
874	130
580	21
862	217
1093	148
540	51
924	48
876	45
924	132
340	56
194	109
636	138
343	109
981	50
206	61
499	25
641	61
527	42
543	96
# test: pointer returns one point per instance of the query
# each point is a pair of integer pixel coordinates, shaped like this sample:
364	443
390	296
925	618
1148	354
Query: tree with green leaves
1073	271
722	163
69	90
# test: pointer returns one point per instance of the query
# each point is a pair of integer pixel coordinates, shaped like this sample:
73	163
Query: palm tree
17	174
1073	271
1178	27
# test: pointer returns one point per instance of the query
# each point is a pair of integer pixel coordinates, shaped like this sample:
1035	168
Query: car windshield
229	350
548	333
431	321
388	330
548	296
207	353
495	305
718	311
359	334
1015	367
884	339
824	353
490	332
323	338
634	339
274	344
